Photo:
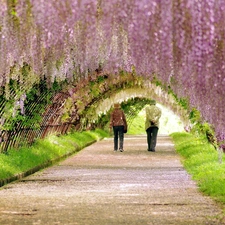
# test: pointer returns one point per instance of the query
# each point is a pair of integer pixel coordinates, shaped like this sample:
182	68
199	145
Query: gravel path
101	187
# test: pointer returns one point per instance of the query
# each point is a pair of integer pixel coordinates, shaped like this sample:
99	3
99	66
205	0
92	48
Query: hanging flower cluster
180	41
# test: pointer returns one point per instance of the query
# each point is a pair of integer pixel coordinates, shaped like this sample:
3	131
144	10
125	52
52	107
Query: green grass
201	160
138	125
17	161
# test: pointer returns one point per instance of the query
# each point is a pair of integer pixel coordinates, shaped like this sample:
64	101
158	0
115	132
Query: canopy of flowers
181	42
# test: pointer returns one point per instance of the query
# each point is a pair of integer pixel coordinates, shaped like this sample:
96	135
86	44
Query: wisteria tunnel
60	60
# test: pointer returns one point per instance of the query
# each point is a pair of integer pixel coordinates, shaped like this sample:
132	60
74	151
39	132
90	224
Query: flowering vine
181	41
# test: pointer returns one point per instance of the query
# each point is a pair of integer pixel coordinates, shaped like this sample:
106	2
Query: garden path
100	187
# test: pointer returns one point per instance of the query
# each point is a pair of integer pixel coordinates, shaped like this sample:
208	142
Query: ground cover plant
204	162
45	151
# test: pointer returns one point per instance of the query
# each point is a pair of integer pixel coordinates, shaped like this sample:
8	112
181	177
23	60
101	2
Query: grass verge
43	153
201	160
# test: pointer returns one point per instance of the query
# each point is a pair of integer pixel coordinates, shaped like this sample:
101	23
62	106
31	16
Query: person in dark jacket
153	114
119	124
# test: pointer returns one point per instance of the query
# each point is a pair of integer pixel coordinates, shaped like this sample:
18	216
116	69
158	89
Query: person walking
119	124
153	114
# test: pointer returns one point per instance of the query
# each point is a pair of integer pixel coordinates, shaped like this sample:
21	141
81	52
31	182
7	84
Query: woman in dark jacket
119	124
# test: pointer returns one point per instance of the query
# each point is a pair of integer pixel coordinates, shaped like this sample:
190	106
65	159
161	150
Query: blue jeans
118	133
152	137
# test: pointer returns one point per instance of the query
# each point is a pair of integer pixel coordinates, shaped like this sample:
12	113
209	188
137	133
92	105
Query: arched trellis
57	110
147	91
182	42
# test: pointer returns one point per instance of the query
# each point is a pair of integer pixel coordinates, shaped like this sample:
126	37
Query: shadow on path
101	187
